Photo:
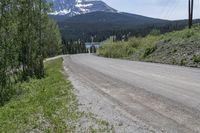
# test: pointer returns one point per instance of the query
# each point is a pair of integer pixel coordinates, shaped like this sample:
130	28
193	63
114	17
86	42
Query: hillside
112	17
103	24
177	48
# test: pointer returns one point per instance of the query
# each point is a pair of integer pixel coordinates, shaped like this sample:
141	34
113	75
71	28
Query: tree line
84	31
73	47
27	36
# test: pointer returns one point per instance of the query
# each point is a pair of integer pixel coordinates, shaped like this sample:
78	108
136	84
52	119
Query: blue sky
165	9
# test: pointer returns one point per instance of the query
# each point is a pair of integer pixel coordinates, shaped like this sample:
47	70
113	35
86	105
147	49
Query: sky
164	9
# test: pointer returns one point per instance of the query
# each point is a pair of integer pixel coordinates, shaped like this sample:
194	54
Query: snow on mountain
77	7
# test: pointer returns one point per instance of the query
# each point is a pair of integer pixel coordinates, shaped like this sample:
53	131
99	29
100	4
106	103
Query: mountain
104	24
77	7
81	19
112	18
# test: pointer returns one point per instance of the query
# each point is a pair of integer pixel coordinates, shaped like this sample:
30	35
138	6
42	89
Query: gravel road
137	96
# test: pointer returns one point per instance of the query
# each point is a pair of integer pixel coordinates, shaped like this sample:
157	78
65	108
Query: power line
163	11
174	8
168	11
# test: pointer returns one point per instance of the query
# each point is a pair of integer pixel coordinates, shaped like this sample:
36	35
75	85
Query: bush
116	49
155	32
196	58
183	62
6	94
149	51
142	47
6	87
187	34
134	42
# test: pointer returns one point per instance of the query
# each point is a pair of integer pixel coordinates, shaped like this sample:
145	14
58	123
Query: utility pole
190	13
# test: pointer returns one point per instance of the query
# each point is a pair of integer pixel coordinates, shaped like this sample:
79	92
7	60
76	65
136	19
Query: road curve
163	96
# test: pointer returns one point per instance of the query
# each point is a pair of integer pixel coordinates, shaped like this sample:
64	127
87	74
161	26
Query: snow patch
61	12
83	5
76	7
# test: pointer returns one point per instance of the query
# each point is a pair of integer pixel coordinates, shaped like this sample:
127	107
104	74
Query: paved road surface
163	96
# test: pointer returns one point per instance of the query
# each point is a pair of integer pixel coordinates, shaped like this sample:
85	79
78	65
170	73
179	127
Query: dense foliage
73	47
178	47
26	33
140	46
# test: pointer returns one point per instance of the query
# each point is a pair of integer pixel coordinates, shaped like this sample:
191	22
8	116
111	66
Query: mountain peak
77	7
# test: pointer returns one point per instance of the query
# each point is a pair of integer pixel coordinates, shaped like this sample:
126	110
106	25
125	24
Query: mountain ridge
77	7
113	17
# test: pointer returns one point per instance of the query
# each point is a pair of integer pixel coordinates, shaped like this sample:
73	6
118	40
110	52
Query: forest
71	30
27	37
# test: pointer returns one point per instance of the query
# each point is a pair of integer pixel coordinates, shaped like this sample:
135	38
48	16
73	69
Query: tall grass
139	47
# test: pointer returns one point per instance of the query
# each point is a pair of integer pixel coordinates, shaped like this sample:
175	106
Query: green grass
140	47
177	47
46	105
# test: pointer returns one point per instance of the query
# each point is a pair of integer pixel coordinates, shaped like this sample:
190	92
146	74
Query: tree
93	49
52	39
27	36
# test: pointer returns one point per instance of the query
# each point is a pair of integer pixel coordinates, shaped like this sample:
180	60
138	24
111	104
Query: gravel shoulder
96	102
130	107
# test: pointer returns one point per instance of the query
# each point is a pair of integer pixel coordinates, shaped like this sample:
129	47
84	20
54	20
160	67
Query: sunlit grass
46	105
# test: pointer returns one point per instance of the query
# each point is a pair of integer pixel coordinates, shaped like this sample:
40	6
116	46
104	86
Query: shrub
167	40
183	62
149	50
174	62
134	42
155	32
187	34
175	50
196	58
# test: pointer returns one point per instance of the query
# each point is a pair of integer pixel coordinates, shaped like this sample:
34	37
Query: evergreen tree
27	36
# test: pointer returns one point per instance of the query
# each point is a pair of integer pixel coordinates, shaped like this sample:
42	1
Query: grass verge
46	105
